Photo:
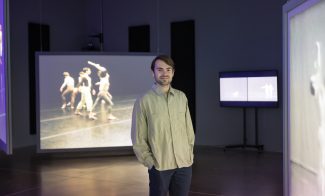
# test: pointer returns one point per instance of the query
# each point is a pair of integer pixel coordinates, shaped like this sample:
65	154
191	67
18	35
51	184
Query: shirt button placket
171	121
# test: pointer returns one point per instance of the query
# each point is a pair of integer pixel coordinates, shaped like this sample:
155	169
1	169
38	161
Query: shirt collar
157	89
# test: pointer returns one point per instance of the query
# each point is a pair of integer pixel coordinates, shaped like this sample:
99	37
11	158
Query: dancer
67	87
104	85
84	87
104	94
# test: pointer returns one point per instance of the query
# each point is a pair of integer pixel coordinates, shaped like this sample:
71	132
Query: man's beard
163	82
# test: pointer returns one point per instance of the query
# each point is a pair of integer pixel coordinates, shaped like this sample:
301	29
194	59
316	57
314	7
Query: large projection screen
67	125
306	99
5	144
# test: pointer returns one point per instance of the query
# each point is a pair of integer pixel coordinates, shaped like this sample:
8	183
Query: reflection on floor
218	173
61	128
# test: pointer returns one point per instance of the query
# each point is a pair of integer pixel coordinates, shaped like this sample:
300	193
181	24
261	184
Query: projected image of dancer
318	90
104	89
104	94
67	88
76	89
85	89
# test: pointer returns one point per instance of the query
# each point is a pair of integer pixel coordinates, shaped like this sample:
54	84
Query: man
162	133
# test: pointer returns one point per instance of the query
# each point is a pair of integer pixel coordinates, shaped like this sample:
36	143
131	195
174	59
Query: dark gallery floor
234	172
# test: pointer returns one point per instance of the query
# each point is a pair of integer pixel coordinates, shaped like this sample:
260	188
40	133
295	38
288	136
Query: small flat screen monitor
248	88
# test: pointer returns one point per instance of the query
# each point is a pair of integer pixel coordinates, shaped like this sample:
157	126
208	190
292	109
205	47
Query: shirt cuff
149	163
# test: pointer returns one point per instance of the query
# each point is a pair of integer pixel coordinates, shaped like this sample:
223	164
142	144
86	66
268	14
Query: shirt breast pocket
156	123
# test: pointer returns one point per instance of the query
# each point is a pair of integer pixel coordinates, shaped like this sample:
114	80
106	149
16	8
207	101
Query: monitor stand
244	145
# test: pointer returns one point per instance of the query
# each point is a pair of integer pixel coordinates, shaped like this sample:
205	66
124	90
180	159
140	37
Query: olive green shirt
162	131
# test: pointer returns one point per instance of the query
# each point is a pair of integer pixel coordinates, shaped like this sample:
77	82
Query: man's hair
169	61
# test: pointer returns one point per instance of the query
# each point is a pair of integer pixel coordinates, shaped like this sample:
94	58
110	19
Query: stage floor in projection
63	129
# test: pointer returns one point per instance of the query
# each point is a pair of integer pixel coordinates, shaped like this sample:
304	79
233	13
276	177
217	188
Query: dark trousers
176	181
